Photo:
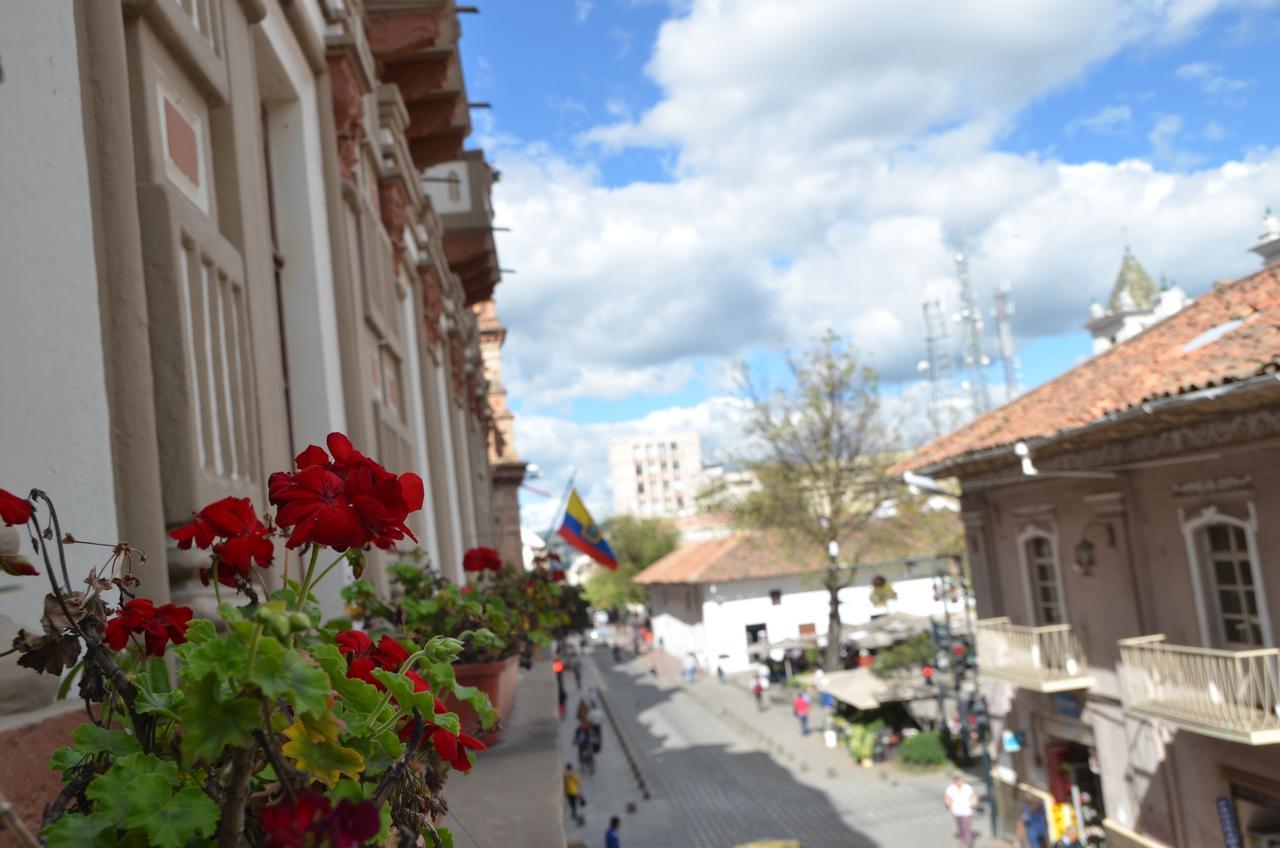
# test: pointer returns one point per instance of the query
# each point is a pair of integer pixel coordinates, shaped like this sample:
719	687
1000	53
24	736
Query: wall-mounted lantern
1086	550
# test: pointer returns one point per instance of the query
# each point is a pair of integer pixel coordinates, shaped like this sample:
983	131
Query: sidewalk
612	790
891	805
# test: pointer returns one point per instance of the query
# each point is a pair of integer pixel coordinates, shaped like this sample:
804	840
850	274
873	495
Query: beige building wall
1159	781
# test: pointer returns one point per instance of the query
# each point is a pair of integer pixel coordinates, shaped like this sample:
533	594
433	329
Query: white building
656	476
717	598
1135	304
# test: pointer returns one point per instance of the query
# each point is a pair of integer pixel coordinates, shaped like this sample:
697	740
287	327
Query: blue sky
694	183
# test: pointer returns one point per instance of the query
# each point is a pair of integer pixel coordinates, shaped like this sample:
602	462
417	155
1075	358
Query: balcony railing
1228	694
1043	659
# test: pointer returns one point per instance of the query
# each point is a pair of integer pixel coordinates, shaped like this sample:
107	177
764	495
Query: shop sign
1230	828
1067	704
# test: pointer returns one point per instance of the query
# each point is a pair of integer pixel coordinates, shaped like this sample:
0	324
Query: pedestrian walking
575	665
612	839
1032	824
583	710
564	699
757	689
586	748
595	720
572	791
720	673
690	667
959	800
801	708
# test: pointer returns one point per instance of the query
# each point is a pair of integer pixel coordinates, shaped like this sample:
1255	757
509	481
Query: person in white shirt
959	800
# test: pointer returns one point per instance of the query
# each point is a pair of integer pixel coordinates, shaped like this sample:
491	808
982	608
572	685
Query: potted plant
423	602
275	730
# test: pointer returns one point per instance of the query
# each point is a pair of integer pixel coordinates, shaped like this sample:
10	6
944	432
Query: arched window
1227	581
1233	593
1042	580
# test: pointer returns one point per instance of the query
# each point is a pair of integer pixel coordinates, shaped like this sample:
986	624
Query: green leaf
401	689
170	819
75	831
379	751
281	672
355	694
69	678
65	758
108	790
201	630
164	704
91	739
210	725
479	702
315	749
223	656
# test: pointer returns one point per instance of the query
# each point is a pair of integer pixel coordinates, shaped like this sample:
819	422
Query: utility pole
975	355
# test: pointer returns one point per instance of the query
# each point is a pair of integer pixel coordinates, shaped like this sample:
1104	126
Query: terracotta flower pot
495	679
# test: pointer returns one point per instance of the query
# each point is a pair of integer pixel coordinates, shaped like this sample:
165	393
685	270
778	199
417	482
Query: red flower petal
13	509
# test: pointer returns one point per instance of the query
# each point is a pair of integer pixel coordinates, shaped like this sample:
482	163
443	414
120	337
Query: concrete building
1135	304
1123	522
656	476
224	239
717	598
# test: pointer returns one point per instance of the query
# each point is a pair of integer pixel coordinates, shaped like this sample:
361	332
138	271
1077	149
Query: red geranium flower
363	657
245	539
352	823
310	819
159	625
481	559
289	822
453	749
346	502
13	509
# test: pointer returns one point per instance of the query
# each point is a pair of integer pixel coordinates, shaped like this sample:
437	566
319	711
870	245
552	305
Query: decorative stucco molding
1213	485
1248	426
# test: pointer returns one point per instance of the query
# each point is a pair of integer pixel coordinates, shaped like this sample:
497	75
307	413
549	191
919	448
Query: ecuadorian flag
580	530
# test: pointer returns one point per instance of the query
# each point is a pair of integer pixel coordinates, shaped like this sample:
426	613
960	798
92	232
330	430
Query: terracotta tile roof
747	556
1230	334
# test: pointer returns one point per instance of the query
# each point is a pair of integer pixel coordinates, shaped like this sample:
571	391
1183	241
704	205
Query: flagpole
564	502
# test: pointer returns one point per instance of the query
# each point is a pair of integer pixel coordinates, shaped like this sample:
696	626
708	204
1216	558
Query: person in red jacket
801	707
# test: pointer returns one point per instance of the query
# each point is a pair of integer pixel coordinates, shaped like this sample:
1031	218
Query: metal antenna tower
938	363
1004	336
975	357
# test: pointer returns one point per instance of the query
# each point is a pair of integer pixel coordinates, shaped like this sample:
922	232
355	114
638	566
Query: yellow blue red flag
580	530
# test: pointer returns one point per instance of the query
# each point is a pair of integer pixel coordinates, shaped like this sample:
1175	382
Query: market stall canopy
857	687
885	630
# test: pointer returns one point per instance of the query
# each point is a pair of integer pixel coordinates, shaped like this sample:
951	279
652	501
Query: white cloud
1209	78
1108	120
583	9
825	159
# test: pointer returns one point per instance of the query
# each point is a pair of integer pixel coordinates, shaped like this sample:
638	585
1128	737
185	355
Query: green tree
638	543
821	455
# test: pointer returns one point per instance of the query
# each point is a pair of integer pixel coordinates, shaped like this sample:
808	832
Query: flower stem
330	567
217	593
305	588
253	650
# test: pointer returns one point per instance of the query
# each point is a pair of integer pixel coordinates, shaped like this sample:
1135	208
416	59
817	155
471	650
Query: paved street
720	773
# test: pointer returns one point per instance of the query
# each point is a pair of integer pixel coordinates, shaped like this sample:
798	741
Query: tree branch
394	774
